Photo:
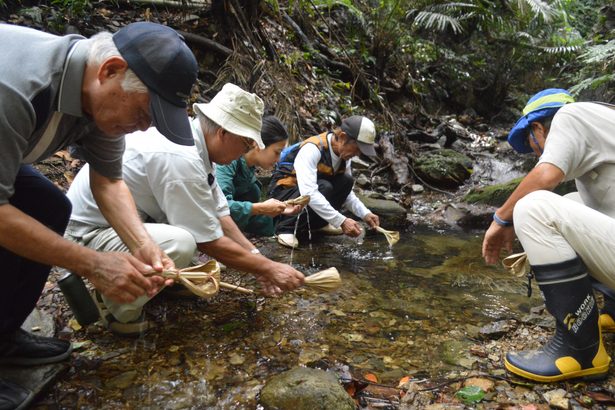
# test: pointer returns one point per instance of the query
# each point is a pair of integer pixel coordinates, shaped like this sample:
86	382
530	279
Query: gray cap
362	130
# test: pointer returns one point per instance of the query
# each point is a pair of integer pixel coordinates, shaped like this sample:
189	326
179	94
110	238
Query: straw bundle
325	280
302	200
391	236
517	264
202	280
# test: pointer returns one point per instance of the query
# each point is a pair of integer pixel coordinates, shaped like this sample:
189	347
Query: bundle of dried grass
325	280
517	264
302	200
202	280
391	236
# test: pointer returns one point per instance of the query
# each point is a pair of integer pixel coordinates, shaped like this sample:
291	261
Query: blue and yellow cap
542	105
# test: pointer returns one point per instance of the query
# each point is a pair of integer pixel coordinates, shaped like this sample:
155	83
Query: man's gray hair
208	126
102	47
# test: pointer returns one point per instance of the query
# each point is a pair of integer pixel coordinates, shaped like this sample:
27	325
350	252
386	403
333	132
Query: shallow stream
398	312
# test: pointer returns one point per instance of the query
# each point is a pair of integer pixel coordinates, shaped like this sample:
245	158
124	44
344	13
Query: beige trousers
176	242
555	229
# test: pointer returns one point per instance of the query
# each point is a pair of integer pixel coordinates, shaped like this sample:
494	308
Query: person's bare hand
271	207
280	278
497	238
121	277
372	220
351	228
292	210
150	253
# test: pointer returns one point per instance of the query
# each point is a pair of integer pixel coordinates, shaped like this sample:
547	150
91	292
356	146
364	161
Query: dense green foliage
484	55
474	53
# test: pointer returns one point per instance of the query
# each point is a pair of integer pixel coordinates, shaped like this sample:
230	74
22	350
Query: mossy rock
444	168
496	195
303	388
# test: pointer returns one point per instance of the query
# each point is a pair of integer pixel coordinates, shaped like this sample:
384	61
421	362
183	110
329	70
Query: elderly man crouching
175	188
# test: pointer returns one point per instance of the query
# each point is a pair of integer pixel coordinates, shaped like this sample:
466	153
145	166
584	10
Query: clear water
395	310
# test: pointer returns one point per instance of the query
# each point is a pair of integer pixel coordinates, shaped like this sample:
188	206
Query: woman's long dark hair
272	130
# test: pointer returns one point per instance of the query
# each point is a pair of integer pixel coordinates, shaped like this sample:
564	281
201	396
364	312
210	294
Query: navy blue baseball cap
542	105
159	56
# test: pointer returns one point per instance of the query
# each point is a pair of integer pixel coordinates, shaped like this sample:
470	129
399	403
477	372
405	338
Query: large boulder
302	388
443	168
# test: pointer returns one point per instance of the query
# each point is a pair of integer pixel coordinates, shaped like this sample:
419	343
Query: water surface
396	309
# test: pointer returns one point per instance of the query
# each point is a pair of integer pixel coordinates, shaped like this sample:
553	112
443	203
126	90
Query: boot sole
593	374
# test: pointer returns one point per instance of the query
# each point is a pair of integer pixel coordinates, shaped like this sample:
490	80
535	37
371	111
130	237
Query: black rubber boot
576	350
607	313
13	396
25	349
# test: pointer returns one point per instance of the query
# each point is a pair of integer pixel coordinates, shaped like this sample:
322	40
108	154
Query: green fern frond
562	49
600	53
451	6
592	83
438	21
539	7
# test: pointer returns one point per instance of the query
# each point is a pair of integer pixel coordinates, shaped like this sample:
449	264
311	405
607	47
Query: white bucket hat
237	111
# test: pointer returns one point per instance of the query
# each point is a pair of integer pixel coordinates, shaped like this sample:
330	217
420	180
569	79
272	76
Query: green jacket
241	189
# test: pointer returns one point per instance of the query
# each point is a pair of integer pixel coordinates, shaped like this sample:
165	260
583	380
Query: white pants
176	242
555	229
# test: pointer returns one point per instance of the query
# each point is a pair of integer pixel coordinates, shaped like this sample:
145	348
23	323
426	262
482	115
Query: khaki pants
176	242
555	229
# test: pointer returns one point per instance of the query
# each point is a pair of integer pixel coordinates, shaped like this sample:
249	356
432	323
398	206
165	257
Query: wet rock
456	352
495	330
416	397
305	389
417	189
468	216
557	399
486	385
452	130
122	380
390	212
494	195
444	168
420	136
362	181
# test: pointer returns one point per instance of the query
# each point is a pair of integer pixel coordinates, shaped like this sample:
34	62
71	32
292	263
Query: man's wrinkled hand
280	278
122	277
150	253
372	220
351	228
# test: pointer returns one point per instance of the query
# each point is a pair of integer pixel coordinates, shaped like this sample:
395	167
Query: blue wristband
501	221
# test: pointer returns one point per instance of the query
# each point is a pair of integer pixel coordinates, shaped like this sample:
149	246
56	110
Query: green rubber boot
576	349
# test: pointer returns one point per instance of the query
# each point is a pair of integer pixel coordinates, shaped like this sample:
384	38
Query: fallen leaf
600	397
74	324
404	380
370	377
